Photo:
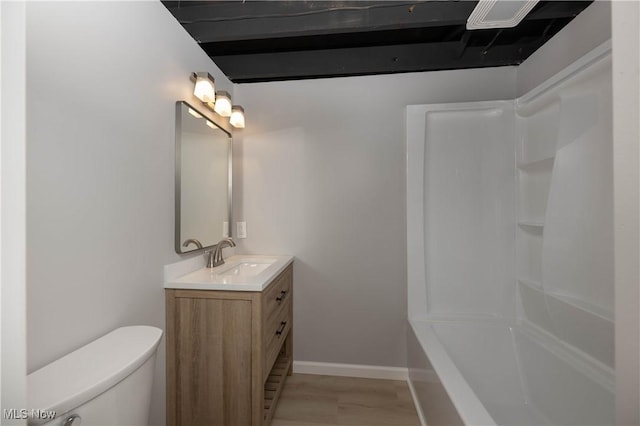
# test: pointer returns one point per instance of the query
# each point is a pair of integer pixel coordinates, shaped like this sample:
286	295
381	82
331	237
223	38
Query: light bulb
237	117
205	89
223	104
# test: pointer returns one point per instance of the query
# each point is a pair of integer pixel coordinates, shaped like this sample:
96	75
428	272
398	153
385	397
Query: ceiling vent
499	13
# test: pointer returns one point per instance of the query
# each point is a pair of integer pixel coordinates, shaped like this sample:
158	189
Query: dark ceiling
287	40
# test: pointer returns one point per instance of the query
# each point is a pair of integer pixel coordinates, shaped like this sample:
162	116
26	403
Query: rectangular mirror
203	180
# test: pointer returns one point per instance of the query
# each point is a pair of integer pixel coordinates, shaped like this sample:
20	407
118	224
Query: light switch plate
241	228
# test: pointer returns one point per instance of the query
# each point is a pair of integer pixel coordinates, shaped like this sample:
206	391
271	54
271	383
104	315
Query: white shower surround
510	254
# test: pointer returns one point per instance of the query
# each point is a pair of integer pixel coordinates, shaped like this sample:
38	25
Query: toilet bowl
107	382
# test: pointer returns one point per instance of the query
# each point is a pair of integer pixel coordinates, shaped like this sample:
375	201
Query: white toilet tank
107	382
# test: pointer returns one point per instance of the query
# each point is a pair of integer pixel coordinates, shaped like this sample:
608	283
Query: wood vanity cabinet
228	353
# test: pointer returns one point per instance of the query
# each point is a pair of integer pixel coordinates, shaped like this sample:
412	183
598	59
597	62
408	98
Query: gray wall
320	174
102	82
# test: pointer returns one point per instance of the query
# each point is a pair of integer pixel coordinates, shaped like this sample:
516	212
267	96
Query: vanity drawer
276	331
277	293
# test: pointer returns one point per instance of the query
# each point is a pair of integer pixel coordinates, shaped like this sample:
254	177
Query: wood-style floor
312	400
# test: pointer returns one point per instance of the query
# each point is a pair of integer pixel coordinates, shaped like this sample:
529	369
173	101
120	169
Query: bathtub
510	257
483	372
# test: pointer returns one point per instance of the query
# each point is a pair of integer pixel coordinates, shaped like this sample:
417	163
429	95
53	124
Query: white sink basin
239	273
246	269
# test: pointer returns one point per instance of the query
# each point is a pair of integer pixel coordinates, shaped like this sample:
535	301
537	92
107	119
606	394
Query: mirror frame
178	180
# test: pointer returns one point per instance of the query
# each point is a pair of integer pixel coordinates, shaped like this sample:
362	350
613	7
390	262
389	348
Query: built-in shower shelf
584	306
543	164
531	283
531	223
534	184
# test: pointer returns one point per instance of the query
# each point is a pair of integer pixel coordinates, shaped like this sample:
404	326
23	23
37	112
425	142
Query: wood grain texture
257	390
278	293
220	349
277	330
313	400
274	386
288	344
214	361
171	363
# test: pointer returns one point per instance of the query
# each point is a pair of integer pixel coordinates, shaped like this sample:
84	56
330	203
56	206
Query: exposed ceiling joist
278	40
264	20
361	61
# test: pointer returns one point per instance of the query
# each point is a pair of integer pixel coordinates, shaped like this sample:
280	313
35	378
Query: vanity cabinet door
209	375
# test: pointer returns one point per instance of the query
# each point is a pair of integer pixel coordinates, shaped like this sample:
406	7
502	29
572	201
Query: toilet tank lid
92	369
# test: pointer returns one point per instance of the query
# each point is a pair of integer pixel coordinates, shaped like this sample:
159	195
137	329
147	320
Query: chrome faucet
215	256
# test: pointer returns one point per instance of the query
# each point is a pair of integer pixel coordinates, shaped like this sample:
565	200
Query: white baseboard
350	370
416	403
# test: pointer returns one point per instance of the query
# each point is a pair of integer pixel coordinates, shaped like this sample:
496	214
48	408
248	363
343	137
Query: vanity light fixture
223	104
237	117
210	124
205	88
219	102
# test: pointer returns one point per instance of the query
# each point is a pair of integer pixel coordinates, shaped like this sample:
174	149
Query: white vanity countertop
243	272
